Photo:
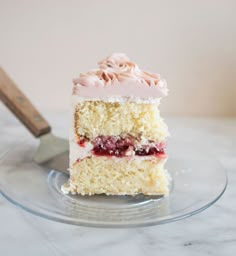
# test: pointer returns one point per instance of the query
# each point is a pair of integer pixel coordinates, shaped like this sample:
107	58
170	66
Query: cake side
117	136
94	118
118	176
114	161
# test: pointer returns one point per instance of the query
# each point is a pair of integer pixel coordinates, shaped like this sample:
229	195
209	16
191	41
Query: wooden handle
21	107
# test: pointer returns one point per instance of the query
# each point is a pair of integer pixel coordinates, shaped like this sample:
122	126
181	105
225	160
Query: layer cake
117	136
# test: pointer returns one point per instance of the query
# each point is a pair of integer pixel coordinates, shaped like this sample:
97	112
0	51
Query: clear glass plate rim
103	225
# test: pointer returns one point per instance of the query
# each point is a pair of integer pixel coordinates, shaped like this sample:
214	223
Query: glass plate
197	182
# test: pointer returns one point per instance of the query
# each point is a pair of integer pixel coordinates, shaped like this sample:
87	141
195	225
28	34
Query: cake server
53	152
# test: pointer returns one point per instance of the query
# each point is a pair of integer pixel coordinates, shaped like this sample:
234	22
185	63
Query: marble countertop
212	232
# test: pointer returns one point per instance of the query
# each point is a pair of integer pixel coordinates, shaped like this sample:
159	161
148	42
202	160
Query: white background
44	44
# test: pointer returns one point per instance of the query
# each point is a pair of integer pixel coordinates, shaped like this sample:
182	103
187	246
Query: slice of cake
117	138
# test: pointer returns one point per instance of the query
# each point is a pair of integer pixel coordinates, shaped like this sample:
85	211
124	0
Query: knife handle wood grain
21	107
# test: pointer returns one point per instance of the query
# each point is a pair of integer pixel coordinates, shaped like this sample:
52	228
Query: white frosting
106	98
119	77
78	152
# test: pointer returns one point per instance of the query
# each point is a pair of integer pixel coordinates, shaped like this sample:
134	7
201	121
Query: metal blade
58	163
53	152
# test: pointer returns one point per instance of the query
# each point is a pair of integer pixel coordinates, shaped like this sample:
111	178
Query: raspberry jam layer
125	146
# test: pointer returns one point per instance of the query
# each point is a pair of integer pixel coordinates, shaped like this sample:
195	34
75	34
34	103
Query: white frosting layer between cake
78	152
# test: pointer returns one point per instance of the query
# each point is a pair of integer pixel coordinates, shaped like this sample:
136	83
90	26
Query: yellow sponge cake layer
93	118
118	176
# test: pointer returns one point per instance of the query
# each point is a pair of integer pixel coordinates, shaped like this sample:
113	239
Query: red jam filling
120	147
81	143
120	152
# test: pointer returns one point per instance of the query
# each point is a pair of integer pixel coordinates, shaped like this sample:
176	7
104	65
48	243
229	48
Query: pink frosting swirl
118	63
118	67
96	78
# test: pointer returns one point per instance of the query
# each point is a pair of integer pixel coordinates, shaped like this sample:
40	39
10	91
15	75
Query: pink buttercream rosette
116	67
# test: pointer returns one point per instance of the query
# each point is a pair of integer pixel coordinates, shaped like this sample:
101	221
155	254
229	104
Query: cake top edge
116	70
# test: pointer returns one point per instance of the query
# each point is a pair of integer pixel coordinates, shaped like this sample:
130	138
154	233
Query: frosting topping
115	70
